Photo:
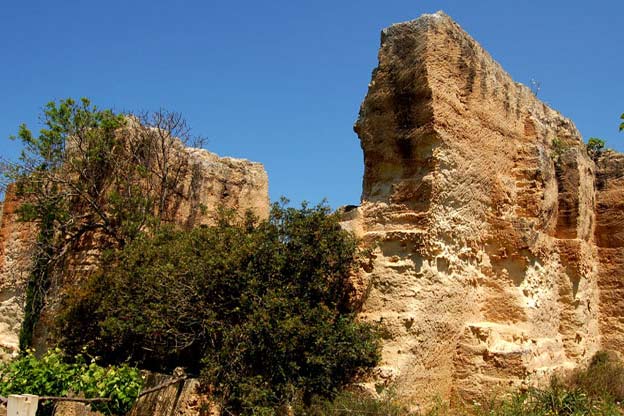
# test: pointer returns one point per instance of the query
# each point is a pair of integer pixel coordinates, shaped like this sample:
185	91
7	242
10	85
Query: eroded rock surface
609	236
479	200
16	244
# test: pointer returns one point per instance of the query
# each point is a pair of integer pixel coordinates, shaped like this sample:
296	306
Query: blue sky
280	82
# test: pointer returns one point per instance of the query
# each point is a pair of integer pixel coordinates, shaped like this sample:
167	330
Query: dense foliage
261	308
93	172
595	147
53	375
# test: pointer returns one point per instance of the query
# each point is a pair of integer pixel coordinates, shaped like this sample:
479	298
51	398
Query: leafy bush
93	174
603	378
260	309
595	147
53	375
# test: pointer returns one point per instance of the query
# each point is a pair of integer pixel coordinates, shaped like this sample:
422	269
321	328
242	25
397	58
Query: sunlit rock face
16	247
609	237
212	182
479	202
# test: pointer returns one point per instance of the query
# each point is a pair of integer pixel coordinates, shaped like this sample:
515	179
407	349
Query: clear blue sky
281	81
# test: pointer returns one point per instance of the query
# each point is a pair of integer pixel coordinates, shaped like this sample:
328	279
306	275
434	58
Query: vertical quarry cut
479	201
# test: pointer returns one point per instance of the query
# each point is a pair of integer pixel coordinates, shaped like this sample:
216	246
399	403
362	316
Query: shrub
260	309
555	400
603	378
593	391
559	147
92	173
53	375
595	147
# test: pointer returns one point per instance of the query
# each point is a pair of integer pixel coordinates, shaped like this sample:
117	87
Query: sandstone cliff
498	244
16	242
609	238
211	182
479	200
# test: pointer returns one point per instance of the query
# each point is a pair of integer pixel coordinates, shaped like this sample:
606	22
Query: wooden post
22	405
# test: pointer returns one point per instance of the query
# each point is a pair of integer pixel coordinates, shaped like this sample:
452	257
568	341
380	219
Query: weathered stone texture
479	200
16	245
609	238
222	182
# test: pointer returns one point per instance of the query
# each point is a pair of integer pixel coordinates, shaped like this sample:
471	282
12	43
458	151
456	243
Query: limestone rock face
16	243
479	200
609	236
211	182
223	181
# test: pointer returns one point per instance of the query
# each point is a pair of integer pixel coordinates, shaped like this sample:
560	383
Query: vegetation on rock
559	147
92	172
348	403
595	147
597	390
259	308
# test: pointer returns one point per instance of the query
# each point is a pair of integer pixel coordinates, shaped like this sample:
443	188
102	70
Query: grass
349	403
597	390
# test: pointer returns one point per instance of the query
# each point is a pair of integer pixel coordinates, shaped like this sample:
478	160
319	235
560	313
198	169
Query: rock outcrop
16	244
497	243
609	237
479	200
212	182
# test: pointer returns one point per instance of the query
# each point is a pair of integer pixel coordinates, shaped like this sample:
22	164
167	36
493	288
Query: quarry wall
497	252
497	242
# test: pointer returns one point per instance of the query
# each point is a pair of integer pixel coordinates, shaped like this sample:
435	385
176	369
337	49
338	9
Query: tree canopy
260	309
92	172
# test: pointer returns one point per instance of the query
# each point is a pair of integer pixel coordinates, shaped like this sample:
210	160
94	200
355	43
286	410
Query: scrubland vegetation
597	390
260	310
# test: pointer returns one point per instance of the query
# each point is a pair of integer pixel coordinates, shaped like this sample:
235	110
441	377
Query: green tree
91	169
622	123
92	172
260	309
595	147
